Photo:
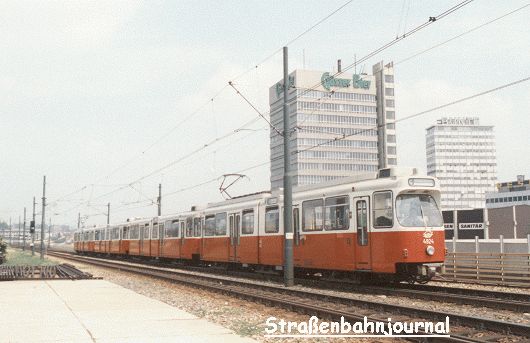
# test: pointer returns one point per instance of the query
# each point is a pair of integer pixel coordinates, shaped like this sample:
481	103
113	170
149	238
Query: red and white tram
384	225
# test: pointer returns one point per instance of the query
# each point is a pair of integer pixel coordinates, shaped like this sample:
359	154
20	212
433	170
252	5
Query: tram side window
125	232
209	225
337	213
197	226
172	229
382	211
220	224
161	231
134	232
154	233
312	215
146	231
362	225
247	227
114	233
189	227
97	235
272	219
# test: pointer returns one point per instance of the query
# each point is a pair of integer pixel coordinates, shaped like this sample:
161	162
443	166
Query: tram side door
234	223
180	252
363	253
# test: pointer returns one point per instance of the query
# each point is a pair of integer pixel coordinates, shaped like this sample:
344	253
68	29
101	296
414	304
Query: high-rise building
461	154
340	125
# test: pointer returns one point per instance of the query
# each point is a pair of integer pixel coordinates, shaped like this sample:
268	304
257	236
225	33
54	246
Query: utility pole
24	232
78	220
18	243
43	219
33	231
159	199
10	233
49	232
288	273
108	214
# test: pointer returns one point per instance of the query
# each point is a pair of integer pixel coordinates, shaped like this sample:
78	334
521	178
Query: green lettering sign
360	83
329	81
279	86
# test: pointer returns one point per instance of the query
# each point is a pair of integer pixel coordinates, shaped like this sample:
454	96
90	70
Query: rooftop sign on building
464	121
329	81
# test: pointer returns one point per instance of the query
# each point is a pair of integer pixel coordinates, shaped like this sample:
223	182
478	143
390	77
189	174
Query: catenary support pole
43	218
19	232
24	232
288	273
49	232
159	199
78	220
108	214
34	228
10	233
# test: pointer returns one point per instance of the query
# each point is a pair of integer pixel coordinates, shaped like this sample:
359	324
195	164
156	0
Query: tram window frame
113	236
125	232
147	232
247	230
134	232
209	225
276	225
375	209
197	227
335	206
161	230
172	229
308	206
154	231
189	227
362	239
219	218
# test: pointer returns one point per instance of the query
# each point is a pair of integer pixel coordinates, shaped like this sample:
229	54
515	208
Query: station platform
96	311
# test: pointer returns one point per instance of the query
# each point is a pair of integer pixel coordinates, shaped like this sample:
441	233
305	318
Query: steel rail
282	296
491	299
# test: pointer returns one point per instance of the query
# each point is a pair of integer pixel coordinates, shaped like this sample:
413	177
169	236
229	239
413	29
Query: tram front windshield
415	210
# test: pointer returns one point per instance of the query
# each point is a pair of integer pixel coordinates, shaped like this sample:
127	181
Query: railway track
463	296
463	328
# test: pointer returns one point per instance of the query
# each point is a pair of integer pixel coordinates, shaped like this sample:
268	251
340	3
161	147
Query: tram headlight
430	250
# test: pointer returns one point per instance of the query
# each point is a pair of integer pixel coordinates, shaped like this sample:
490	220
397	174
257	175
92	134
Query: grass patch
244	328
16	257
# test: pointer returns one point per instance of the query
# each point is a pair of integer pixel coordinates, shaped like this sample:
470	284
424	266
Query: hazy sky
88	87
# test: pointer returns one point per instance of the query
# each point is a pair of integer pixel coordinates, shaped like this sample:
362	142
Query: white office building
340	125
510	194
461	154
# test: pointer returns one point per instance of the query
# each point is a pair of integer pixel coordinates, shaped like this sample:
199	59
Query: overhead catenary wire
387	45
210	99
373	53
172	163
460	35
415	115
255	108
421	113
291	41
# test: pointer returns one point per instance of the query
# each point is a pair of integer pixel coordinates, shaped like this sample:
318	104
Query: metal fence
488	268
497	245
